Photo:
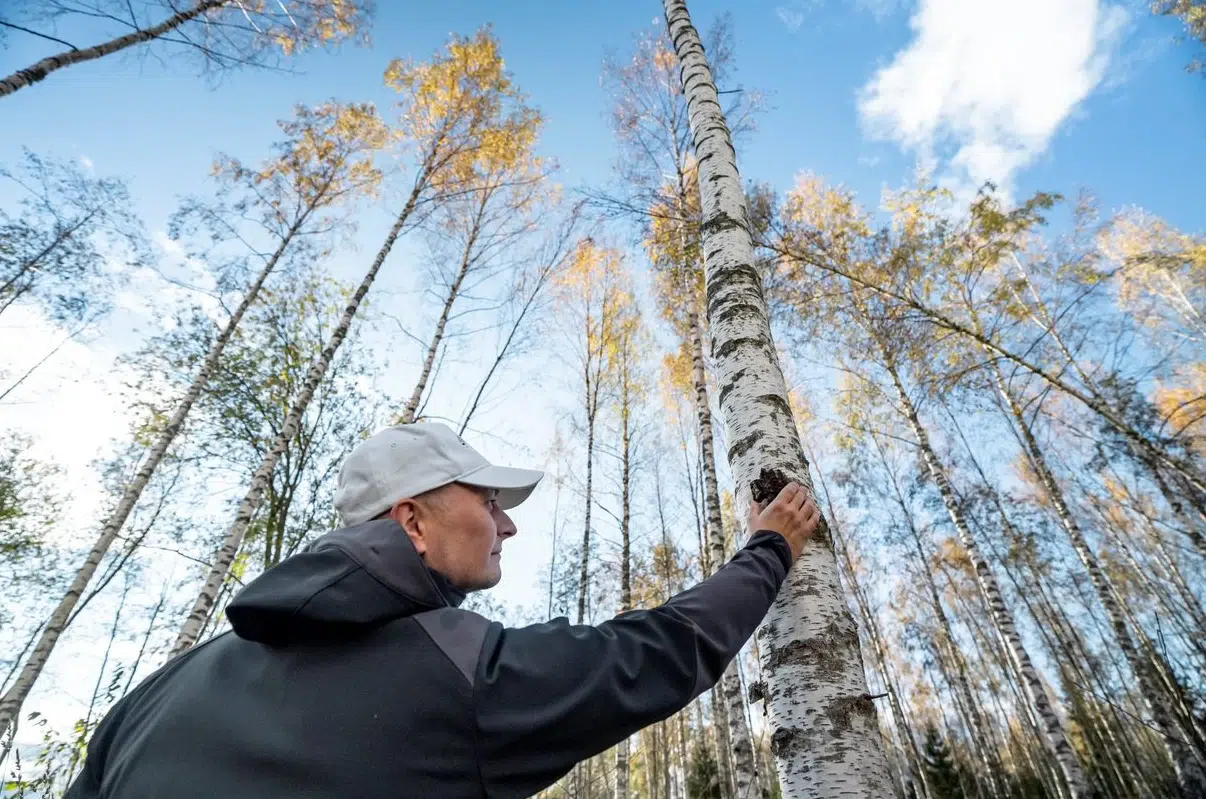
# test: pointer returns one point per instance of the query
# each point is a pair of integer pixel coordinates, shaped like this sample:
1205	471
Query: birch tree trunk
10	704
584	576
1190	771
679	770
948	652
39	70
734	755
622	750
1056	737
917	778
826	737
259	481
416	396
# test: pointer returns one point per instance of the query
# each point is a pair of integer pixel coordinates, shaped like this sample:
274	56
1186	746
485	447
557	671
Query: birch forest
994	386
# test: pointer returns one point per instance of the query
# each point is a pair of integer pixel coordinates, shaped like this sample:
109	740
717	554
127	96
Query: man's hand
791	514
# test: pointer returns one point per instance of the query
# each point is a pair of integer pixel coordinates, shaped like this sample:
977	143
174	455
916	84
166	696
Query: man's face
459	530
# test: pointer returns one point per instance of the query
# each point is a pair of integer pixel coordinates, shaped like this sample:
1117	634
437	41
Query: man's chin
488	581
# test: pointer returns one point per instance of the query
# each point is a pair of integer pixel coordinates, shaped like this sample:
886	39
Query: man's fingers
800	497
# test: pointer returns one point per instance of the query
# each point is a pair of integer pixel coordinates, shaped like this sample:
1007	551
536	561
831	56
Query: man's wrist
777	541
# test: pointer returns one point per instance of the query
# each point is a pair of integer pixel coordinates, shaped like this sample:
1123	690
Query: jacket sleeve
552	694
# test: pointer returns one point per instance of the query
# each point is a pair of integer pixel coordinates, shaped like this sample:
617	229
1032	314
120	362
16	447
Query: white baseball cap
406	460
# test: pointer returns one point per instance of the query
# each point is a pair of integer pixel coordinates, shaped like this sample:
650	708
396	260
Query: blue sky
1131	140
1036	94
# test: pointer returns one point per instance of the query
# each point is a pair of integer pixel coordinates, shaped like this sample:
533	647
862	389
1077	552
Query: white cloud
985	85
87	163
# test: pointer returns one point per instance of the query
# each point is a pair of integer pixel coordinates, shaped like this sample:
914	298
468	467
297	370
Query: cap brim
513	485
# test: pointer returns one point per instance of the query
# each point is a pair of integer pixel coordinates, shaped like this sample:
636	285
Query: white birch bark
622	750
826	737
14	697
1054	734
39	70
1190	771
734	755
678	770
259	481
454	290
621	786
584	576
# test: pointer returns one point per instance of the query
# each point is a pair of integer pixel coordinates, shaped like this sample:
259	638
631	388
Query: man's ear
406	513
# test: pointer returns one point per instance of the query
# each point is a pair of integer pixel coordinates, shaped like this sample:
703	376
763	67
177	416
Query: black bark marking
776	402
768	484
730	309
782	740
739	280
756	692
742	445
718	222
826	653
726	390
732	345
840	711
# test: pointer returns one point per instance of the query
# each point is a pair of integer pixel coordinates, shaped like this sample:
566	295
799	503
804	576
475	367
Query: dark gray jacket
350	673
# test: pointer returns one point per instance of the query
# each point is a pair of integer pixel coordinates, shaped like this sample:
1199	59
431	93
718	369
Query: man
350	672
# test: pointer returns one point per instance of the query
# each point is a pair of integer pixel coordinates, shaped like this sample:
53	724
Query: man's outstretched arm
550	695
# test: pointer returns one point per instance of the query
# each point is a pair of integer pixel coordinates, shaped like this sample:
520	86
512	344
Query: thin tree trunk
917	776
947	646
259	481
1190	773
826	738
1056	737
100	678
703	423
1188	470
622	750
681	758
39	70
416	396
31	264
738	748
10	704
584	576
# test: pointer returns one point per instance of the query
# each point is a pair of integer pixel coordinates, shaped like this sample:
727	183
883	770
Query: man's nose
506	527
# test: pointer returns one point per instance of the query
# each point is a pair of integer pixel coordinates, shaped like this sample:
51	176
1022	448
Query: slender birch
225	32
629	390
826	738
1053	728
485	223
450	108
1191	772
324	161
